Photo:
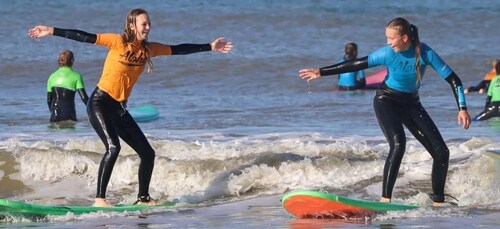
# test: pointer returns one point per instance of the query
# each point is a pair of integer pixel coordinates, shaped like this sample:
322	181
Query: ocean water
238	131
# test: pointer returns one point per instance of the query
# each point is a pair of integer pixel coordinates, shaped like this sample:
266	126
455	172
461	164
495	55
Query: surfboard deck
9	207
144	113
494	153
315	204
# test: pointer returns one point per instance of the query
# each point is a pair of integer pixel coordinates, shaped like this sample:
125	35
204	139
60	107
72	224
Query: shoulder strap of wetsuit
346	66
76	35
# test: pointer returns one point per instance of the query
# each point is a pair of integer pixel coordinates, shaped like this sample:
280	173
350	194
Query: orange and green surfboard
314	204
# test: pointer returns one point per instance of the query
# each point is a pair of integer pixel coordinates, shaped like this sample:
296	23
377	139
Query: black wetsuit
112	121
395	109
61	88
61	104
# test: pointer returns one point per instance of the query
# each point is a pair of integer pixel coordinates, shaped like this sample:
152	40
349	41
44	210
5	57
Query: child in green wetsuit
492	106
61	88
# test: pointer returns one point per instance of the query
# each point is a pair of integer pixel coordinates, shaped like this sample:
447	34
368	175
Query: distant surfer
397	101
129	54
61	88
355	80
492	105
482	86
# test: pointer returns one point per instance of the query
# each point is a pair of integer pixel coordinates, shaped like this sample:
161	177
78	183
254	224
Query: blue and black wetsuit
351	80
397	103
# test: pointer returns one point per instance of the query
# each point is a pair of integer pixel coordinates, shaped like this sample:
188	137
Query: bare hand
309	74
219	45
464	119
40	31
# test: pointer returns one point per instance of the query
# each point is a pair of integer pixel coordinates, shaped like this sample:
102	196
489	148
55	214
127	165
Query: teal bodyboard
144	113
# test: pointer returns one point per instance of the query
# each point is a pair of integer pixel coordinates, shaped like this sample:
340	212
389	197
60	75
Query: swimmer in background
61	88
349	81
492	106
483	85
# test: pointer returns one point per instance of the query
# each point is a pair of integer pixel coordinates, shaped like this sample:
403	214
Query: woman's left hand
219	45
464	119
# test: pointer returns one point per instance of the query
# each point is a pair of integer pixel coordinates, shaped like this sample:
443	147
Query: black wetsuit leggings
110	121
395	109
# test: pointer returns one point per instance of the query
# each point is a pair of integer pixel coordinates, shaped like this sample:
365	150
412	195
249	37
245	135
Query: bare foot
466	90
481	91
151	202
385	200
436	204
101	202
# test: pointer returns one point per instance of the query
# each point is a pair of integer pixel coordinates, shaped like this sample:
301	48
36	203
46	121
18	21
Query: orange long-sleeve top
125	63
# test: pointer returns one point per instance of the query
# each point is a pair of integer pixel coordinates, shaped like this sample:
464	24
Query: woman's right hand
309	74
40	31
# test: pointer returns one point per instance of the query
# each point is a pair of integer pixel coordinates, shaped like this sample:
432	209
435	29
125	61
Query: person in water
129	54
492	106
351	80
397	101
61	88
482	86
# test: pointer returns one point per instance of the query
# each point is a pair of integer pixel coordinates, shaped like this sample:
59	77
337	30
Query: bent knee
148	155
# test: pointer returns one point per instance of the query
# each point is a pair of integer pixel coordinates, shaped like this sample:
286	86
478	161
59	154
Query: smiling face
141	27
397	41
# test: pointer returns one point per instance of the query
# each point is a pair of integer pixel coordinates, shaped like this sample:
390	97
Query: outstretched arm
343	67
218	45
458	92
77	35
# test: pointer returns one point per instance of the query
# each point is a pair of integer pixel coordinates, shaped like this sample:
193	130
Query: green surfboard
493	154
9	207
314	204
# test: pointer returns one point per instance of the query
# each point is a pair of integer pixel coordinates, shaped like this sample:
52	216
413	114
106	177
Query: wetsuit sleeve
436	62
458	90
83	95
346	66
49	99
76	35
183	49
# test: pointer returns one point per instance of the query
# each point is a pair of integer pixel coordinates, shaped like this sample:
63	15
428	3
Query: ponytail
416	41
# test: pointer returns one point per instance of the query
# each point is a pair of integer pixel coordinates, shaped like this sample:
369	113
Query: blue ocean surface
237	131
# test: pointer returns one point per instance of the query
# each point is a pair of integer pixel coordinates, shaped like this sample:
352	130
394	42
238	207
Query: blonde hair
66	58
405	28
130	37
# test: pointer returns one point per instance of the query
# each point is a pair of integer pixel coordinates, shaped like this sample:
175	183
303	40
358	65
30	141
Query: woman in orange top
483	85
129	54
